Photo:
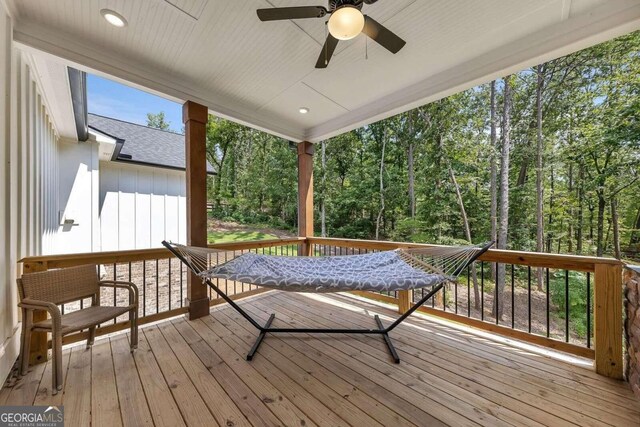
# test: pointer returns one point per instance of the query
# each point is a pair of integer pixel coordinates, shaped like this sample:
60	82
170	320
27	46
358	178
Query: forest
545	159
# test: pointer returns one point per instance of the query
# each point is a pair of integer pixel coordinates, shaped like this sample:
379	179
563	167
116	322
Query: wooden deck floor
194	373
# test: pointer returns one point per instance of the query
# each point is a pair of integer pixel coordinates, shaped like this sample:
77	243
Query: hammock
400	269
387	271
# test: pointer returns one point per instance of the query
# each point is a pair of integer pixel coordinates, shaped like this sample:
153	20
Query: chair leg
92	336
54	371
25	340
133	319
56	350
25	349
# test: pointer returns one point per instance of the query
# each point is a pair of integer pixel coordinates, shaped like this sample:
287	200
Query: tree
503	229
493	188
540	73
157	121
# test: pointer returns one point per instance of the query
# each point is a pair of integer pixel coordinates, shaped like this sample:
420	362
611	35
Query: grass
245	236
237	236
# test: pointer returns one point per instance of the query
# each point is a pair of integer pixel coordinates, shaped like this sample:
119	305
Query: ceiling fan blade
327	51
301	12
382	35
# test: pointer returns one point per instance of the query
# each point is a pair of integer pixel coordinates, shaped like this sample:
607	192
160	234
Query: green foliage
577	302
157	121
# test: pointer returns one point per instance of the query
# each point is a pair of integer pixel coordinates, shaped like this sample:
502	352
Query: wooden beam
305	194
194	117
608	320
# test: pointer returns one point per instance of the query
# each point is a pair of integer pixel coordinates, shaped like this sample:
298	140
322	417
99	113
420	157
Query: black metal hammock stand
400	269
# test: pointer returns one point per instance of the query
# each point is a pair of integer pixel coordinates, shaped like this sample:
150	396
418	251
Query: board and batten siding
29	163
79	230
140	206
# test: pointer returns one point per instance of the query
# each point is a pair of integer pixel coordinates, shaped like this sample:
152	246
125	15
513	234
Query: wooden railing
161	280
530	312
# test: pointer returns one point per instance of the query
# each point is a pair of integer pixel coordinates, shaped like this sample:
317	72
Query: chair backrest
62	285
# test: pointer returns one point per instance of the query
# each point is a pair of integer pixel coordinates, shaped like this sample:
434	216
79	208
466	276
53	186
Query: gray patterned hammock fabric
400	269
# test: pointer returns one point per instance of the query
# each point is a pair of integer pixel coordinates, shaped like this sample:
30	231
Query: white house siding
141	206
28	181
78	198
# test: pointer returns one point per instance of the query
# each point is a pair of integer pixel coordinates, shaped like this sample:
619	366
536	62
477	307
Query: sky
111	99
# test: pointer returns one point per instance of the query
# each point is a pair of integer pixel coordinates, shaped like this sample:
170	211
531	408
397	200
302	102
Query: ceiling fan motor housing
337	4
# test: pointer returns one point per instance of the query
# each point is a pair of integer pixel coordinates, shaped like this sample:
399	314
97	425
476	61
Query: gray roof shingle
145	145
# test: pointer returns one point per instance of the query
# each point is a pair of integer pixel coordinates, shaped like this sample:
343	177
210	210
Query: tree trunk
411	173
467	232
560	234
234	173
498	304
494	173
551	198
634	239
616	228
411	169
580	209
600	226
381	211
570	191
323	224
539	172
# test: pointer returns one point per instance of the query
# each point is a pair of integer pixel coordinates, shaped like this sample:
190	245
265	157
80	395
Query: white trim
27	57
10	8
145	167
9	352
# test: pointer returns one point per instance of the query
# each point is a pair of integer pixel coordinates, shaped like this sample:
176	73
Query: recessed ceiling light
113	18
303	110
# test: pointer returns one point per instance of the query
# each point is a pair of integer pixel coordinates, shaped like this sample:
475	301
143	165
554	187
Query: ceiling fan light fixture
113	18
346	23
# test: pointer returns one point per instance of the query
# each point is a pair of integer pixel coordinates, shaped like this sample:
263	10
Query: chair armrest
51	308
132	288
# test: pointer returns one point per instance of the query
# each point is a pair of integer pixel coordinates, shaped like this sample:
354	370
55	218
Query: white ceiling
218	53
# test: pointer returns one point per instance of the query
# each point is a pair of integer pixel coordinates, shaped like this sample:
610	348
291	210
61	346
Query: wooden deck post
305	194
194	117
608	320
404	301
39	348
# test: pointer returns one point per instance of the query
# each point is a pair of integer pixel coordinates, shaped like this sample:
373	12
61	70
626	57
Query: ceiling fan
346	21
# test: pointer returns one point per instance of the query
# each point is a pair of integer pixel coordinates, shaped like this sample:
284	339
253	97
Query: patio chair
48	289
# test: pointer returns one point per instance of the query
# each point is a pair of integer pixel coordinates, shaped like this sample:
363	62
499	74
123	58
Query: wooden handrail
115	257
532	259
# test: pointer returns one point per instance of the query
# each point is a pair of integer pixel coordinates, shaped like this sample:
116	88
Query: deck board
480	382
194	373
